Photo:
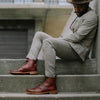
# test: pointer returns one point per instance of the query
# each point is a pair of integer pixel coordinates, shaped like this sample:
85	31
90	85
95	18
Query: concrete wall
98	37
96	6
55	21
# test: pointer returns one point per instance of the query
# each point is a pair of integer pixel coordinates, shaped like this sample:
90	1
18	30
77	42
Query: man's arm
86	27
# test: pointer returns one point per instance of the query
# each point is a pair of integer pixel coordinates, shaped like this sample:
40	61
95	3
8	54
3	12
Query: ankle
32	61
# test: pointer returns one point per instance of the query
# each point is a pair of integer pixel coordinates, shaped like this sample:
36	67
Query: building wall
56	21
48	18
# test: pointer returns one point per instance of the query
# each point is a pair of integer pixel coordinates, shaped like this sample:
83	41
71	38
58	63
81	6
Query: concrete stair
65	83
59	96
75	81
63	67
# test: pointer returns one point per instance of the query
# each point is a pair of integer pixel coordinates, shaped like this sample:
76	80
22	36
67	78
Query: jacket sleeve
86	27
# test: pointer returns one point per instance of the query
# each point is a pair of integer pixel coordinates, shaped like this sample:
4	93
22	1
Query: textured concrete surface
63	67
65	83
98	37
60	96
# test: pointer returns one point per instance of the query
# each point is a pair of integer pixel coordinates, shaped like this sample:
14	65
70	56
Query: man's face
80	9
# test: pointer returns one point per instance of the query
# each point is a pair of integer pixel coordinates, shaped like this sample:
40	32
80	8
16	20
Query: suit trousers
52	47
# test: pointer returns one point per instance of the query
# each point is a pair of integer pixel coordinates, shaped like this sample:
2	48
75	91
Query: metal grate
13	43
16	1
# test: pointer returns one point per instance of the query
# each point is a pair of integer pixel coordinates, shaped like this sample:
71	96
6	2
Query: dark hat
78	1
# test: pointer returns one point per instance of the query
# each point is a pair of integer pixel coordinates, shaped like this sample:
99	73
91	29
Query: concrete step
62	66
65	83
59	96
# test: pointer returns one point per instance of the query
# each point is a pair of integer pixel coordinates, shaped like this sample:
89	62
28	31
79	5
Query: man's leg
30	66
51	48
37	44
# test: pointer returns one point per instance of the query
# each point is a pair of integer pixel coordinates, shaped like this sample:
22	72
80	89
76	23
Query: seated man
75	46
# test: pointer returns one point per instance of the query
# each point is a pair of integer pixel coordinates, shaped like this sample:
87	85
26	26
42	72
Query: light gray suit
73	44
83	32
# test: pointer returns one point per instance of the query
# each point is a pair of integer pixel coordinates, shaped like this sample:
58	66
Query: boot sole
24	73
48	92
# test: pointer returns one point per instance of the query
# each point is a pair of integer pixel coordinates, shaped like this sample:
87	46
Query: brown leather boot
47	87
28	68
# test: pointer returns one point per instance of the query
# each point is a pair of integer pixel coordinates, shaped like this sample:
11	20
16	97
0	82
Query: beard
79	14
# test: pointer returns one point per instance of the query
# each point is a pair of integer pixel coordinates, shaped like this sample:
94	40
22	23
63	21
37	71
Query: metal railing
16	1
56	2
49	2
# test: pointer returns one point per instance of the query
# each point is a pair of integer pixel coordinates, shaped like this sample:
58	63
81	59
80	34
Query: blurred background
21	19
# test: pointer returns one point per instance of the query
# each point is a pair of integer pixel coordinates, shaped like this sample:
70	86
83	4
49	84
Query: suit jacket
82	33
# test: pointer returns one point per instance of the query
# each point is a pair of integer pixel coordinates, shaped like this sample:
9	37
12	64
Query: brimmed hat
78	1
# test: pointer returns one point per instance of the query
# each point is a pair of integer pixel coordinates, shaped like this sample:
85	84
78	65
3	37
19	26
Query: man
75	45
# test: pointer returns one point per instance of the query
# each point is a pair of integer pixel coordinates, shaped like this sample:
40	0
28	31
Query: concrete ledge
30	11
60	96
33	5
63	67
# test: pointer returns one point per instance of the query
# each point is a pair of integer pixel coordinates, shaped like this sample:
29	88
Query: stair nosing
60	94
86	75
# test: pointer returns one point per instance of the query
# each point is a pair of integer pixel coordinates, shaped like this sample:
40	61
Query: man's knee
38	33
48	42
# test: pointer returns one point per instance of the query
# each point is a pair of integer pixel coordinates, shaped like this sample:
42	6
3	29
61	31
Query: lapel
78	22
